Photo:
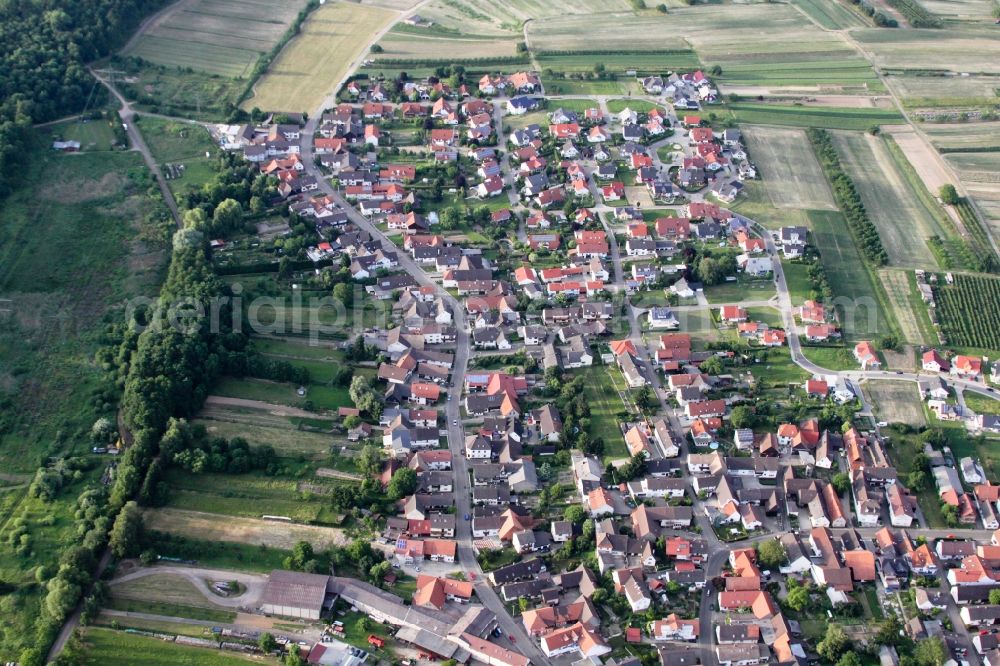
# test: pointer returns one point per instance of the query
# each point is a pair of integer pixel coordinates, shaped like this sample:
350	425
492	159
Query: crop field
956	138
223	37
239	529
788	167
903	223
895	402
407	44
914	327
318	58
971	48
656	61
107	646
931	91
260	428
805	116
969	312
470	17
864	313
831	75
963	10
830	14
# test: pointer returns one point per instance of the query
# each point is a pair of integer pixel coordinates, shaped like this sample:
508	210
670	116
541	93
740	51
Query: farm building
294	594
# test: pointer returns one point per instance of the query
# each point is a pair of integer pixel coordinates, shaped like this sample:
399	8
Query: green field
182	145
261	428
320	396
969	312
831	358
811	116
848	74
904	223
223	37
830	14
106	646
175	92
864	310
618	63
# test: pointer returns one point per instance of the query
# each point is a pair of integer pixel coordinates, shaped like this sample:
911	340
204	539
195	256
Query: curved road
254	583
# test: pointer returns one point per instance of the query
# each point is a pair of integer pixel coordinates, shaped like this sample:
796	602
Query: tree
931	652
798	598
402	483
302	553
267	643
771	553
834	643
103	430
124	539
711	366
369	460
576	514
741	416
917	480
523	604
712	271
948	194
888	631
342	292
62	597
841	482
850	659
644	398
995	597
378	571
228	216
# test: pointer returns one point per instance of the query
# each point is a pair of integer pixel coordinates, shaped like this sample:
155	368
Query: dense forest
47	44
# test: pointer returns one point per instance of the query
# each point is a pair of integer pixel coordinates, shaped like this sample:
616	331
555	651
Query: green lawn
637	105
218	554
604	407
741	290
778	370
832	358
981	404
320	396
106	646
797	278
180	144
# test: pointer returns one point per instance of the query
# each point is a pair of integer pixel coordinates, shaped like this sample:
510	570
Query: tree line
847	198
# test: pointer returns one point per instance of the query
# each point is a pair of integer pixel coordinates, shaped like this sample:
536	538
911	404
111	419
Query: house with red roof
932	361
866	356
967	366
731	314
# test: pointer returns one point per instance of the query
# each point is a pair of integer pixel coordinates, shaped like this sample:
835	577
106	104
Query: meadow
788	167
262	540
754	113
174	91
903	223
224	37
72	212
180	144
605	404
318	58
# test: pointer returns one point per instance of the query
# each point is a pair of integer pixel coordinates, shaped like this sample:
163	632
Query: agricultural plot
913	325
224	37
962	10
238	529
946	91
956	138
903	223
971	48
788	168
407	45
895	402
653	61
107	646
843	74
260	428
864	314
969	312
830	14
812	116
166	588
980	175
318	58
470	17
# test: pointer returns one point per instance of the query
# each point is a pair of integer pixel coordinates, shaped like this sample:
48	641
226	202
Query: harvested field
964	136
315	62
963	10
223	37
788	168
407	45
902	221
895	402
970	48
472	17
920	91
926	162
198	525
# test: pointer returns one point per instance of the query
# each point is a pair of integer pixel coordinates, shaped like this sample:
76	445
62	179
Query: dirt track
254	583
